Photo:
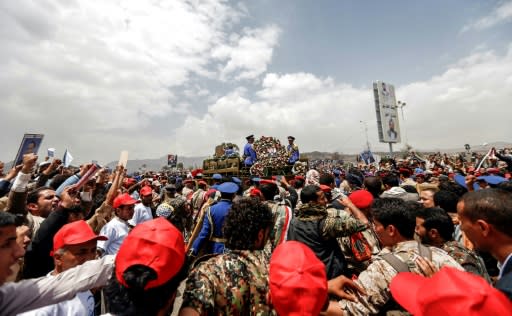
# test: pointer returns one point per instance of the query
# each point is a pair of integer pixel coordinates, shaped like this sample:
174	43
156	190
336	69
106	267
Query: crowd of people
424	236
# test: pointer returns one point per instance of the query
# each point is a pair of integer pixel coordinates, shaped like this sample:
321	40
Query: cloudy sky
169	76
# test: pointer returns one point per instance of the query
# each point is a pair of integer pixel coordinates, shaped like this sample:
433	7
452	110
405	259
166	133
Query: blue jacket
294	153
504	284
218	214
249	154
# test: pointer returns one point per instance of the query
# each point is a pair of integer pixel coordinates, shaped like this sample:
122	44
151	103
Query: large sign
172	160
387	112
29	145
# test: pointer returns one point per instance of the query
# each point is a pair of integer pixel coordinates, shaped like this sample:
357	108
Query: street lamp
401	106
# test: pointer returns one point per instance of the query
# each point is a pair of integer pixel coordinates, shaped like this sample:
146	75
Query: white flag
51	152
66	160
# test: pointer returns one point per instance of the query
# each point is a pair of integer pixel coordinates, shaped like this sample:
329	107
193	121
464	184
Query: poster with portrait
387	112
172	160
29	144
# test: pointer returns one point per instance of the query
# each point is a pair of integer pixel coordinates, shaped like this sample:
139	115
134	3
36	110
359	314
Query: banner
386	111
172	160
367	157
66	160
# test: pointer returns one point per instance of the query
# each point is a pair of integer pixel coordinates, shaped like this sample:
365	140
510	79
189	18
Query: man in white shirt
142	210
73	245
117	229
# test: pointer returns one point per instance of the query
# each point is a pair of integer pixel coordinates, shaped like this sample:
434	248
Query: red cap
300	178
156	244
123	199
448	292
201	182
188	181
267	181
146	191
74	233
325	188
255	192
361	198
493	170
298	282
128	182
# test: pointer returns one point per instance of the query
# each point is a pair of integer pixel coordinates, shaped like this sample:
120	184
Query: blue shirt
218	214
294	153
250	154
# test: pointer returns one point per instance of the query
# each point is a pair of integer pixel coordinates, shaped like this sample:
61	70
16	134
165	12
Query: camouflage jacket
234	283
468	259
282	216
377	277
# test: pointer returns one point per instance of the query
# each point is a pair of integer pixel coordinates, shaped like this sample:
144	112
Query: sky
98	77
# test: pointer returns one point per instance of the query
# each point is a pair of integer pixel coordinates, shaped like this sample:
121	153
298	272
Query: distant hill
197	162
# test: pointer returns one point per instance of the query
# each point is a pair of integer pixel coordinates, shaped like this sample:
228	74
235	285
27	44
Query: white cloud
500	14
108	66
468	103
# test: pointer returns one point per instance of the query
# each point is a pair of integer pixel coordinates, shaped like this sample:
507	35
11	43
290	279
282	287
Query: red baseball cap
124	199
361	198
74	233
156	244
448	292
325	188
146	190
298	281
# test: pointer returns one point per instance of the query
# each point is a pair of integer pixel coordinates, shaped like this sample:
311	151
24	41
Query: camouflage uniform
376	279
282	216
468	259
318	228
234	283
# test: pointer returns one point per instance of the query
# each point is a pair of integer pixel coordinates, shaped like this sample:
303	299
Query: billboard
387	112
172	160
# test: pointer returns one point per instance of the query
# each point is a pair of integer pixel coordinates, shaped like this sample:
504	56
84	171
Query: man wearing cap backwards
236	282
74	244
249	152
30	294
486	219
394	224
292	150
149	267
142	211
117	229
214	220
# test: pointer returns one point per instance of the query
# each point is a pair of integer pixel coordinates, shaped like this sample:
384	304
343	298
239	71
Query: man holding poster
29	145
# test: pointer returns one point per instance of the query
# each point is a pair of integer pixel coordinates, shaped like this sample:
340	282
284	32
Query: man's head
486	217
146	195
269	190
42	201
390	181
291	139
149	267
227	190
247	225
434	226
327	179
427	198
10	250
250	139
313	194
373	185
74	244
124	205
393	220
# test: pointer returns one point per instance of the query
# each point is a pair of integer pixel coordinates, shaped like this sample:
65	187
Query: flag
66	160
51	152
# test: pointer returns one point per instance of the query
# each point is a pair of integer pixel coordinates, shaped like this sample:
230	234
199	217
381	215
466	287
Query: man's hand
69	197
426	266
344	288
13	173
29	161
83	169
52	167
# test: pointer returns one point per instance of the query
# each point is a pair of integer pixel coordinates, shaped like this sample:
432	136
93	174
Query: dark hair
57	181
244	220
437	218
373	185
7	219
391	180
308	193
492	205
452	187
33	195
446	200
505	186
410	189
395	211
326	179
269	190
298	183
134	300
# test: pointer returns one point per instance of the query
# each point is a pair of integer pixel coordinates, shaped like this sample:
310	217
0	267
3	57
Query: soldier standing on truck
249	152
292	150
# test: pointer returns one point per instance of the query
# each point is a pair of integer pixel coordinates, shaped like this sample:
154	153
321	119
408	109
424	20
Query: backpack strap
425	251
396	263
